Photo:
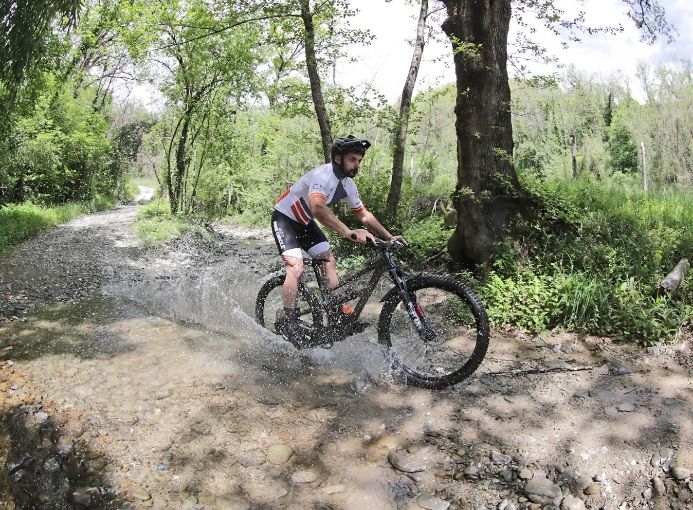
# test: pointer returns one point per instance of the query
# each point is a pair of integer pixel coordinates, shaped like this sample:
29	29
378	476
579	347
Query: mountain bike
433	328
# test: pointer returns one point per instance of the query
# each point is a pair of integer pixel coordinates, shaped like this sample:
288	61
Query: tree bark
400	136
314	78
488	194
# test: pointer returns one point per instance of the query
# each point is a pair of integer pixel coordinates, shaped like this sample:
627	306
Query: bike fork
414	310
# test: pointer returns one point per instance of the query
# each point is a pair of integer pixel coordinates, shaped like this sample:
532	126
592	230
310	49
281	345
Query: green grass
19	222
155	225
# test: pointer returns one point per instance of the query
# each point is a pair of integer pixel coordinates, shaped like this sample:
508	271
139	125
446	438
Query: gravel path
136	378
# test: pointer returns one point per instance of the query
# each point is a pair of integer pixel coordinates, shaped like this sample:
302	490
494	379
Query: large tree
488	194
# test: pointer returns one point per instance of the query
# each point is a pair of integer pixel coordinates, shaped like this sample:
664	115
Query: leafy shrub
427	238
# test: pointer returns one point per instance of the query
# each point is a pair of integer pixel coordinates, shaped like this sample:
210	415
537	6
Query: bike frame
332	298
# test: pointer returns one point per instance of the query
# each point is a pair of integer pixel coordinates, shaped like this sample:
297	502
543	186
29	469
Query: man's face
349	162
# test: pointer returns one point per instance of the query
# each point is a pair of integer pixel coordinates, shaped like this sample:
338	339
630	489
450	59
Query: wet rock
500	458
253	457
658	487
431	502
279	454
543	491
679	473
304	476
87	497
571	503
359	383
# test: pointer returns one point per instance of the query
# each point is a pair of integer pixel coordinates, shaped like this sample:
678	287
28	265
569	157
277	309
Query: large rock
543	491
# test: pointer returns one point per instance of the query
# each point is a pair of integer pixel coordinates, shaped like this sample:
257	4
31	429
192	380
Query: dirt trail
136	378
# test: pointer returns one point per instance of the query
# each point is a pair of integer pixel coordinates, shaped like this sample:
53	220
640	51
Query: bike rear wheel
453	341
269	306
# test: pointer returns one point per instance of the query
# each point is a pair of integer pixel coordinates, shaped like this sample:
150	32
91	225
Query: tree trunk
487	195
181	166
314	77
400	137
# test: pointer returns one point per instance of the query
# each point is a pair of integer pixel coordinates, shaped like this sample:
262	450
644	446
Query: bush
591	260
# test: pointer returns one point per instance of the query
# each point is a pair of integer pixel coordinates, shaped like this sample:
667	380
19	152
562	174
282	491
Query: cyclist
294	226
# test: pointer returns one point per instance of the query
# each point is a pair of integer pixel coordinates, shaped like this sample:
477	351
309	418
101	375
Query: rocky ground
136	378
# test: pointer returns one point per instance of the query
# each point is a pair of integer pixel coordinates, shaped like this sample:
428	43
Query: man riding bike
294	226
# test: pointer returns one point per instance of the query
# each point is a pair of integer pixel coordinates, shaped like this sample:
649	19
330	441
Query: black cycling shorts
292	237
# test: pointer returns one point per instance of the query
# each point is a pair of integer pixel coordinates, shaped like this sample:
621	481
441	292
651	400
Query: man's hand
361	236
399	239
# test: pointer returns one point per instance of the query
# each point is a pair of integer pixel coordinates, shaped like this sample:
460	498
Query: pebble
471	472
624	371
679	473
500	458
601	477
658	486
305	476
543	491
582	394
525	474
430	502
571	503
279	453
592	489
626	407
404	462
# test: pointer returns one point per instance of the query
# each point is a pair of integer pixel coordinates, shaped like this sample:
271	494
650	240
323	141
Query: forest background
604	179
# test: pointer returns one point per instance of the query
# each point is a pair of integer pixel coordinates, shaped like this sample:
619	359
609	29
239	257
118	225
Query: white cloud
385	63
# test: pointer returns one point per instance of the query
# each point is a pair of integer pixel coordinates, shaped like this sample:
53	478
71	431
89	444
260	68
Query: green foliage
19	222
427	238
621	146
591	260
156	225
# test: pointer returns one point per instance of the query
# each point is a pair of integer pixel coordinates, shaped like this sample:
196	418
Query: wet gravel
136	378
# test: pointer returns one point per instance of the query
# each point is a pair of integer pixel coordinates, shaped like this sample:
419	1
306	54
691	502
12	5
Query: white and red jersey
327	181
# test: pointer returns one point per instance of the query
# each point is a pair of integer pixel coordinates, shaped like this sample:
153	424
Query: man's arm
371	223
325	216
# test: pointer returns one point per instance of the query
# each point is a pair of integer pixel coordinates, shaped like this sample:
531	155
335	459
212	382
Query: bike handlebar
381	243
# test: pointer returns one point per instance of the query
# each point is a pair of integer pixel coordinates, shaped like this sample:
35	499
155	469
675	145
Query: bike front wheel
440	338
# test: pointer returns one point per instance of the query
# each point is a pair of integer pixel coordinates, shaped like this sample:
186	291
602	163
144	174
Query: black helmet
348	144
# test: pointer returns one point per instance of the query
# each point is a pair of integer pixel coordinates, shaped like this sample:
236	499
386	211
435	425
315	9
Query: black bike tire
278	281
461	289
